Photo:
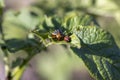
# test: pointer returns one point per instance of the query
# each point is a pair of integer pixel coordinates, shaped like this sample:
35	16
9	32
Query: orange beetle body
57	35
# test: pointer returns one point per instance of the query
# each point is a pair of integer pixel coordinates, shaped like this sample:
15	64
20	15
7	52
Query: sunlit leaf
99	53
75	41
73	21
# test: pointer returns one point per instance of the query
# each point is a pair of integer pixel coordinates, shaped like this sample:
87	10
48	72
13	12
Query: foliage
31	30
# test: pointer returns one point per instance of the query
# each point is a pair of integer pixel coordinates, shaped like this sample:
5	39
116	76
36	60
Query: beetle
57	35
67	39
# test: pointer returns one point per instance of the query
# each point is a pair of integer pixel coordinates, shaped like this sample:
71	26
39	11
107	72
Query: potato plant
38	29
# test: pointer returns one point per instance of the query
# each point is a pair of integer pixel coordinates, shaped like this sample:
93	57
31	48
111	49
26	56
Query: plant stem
18	71
6	61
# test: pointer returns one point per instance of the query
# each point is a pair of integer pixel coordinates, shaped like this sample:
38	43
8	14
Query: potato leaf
16	28
99	53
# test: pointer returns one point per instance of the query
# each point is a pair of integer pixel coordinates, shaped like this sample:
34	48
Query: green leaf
17	62
16	28
99	53
47	26
75	41
73	20
51	23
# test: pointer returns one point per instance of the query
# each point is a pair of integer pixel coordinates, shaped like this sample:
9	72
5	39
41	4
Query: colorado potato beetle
57	35
67	39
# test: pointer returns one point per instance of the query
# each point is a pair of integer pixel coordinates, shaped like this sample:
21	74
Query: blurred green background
58	62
